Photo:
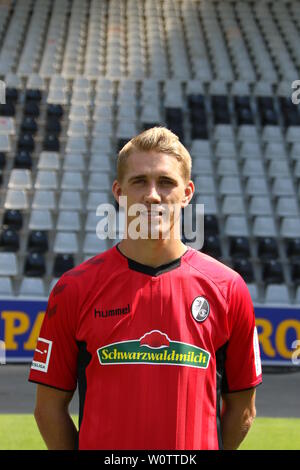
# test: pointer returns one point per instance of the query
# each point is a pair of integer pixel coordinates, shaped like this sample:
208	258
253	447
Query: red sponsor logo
42	355
155	339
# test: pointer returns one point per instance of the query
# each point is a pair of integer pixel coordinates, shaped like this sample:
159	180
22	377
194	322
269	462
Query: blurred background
78	79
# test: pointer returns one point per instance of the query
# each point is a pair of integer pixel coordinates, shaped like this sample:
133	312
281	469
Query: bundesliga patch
42	355
154	348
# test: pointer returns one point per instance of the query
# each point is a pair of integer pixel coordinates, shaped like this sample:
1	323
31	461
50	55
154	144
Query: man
153	331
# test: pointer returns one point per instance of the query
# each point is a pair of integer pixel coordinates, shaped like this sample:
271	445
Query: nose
152	195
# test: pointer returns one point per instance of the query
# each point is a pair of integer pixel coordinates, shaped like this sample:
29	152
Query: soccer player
154	332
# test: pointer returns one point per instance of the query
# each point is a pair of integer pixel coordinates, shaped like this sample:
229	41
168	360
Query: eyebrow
137	177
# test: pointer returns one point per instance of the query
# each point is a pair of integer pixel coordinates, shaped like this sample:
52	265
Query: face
155	181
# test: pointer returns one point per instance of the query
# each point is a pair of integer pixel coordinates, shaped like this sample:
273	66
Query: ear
188	193
116	190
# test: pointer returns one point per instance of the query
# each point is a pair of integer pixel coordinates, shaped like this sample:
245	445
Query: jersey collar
150	270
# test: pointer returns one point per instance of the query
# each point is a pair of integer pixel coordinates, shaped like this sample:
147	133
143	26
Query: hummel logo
112	312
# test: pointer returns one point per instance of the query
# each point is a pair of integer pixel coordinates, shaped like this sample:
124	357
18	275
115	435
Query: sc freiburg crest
200	309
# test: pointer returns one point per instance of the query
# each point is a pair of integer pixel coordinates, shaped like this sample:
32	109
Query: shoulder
213	271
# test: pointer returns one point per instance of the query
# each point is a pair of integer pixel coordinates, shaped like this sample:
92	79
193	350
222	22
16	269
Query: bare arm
237	416
53	419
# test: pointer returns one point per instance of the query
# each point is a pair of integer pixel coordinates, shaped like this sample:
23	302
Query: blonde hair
159	139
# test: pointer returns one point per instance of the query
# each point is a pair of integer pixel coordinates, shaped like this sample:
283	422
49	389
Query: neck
152	252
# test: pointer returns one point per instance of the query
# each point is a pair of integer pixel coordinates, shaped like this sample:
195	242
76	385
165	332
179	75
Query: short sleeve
242	362
55	357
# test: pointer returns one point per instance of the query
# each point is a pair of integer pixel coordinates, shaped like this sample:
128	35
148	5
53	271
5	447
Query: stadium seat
40	220
13	219
9	240
272	272
35	265
212	246
23	160
293	248
37	241
32	287
239	247
62	263
267	248
277	294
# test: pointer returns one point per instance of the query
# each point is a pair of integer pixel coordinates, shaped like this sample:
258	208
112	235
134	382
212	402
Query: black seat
198	116
32	109
196	101
293	248
295	272
239	247
212	246
62	263
242	101
211	226
38	241
26	142
148	125
292	118
244	116
221	116
23	160
11	95
55	110
13	218
51	143
219	101
272	272
53	126
29	125
267	248
265	102
33	95
35	265
2	160
268	117
199	131
244	267
8	109
9	240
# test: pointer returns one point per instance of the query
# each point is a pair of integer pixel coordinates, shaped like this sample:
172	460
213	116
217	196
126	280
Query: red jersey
151	349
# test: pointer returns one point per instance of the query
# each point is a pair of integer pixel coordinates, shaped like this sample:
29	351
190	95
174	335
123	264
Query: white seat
76	144
278	168
16	199
295	151
226	166
224	132
209	201
101	144
260	205
277	294
57	96
297	298
5	145
97	198
43	200
78	112
72	181
272	134
256	186
250	150
68	220
46	180
20	179
99	181
70	200
6	289
247	132
264	226
93	245
74	162
230	185
91	221
103	127
204	185
8	264
236	226
100	162
202	166
48	161
225	149
7	126
292	134
77	128
65	243
287	206
253	291
290	227
233	205
282	187
200	149
40	220
253	167
32	287
275	150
